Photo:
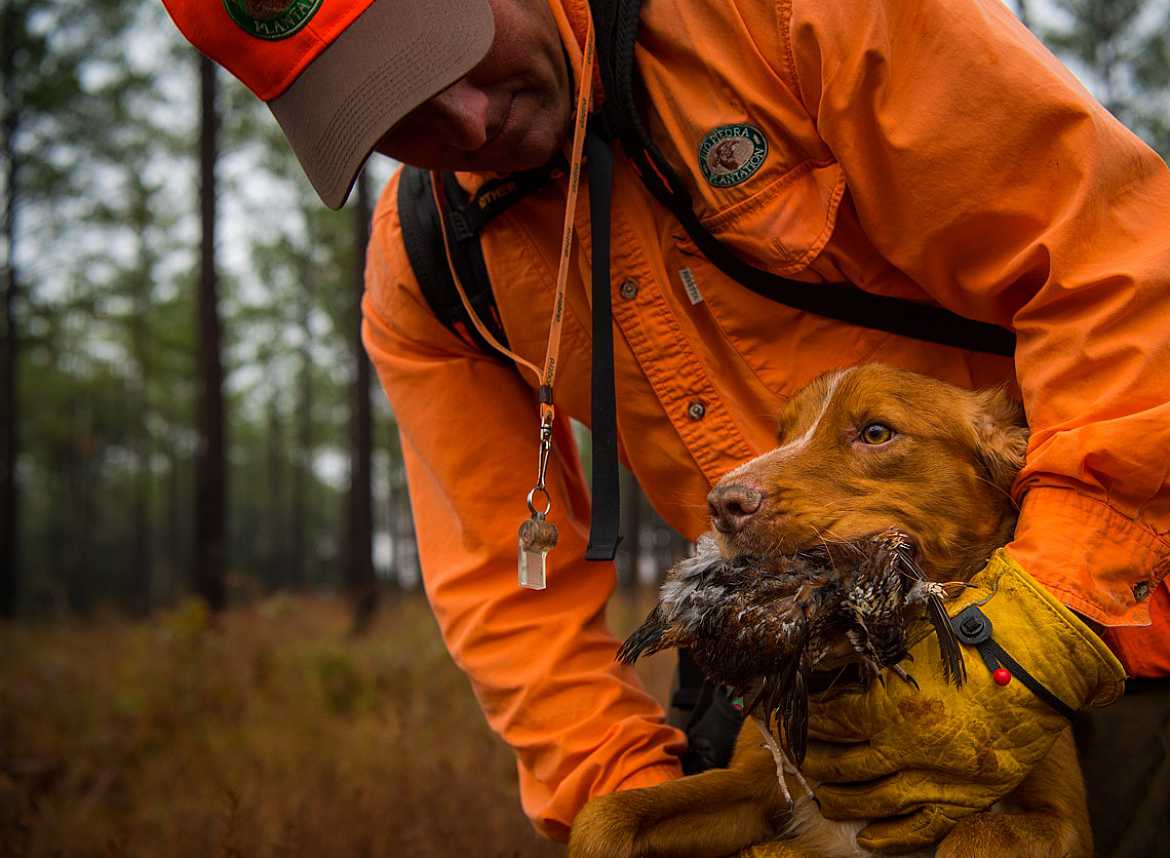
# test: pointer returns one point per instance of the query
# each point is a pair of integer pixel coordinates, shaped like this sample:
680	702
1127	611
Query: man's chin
513	150
513	161
532	150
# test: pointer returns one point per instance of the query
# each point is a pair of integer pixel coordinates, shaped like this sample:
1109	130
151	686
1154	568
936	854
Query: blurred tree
283	318
362	585
303	263
303	456
46	49
277	564
210	459
172	397
11	24
108	288
141	559
129	289
1024	12
404	548
1124	45
1151	69
122	293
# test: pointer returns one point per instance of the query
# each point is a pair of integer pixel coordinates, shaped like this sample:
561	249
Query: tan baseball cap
338	74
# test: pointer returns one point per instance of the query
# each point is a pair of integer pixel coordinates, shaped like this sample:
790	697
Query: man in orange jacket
932	151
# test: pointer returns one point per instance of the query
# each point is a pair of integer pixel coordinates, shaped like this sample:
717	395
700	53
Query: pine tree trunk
361	583
394	518
303	458
85	512
143	549
81	494
277	525
10	345
176	541
402	528
143	504
210	467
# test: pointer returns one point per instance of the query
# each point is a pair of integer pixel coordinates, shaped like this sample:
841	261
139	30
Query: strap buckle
973	627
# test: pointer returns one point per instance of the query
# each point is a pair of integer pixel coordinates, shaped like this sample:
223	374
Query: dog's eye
876	433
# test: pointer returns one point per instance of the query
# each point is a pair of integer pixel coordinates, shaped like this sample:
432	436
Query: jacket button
1141	590
628	289
696	410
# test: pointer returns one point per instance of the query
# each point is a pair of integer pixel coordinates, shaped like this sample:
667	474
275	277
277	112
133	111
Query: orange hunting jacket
930	149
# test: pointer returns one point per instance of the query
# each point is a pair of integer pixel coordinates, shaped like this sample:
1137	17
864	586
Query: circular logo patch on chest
732	153
271	19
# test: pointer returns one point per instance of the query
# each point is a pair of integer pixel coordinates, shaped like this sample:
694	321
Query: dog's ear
1002	435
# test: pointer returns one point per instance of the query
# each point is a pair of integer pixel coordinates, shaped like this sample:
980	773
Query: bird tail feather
647	639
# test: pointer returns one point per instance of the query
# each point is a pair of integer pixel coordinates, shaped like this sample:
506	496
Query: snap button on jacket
931	150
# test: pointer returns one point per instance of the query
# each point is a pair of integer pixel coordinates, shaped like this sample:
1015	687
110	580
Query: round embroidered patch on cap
271	19
732	153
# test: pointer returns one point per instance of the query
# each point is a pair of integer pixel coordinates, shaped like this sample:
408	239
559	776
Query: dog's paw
605	828
1021	835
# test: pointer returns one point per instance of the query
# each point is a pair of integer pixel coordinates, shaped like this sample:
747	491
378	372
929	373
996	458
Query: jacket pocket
784	225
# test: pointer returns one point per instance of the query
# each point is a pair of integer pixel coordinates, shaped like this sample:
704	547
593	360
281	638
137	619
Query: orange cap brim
390	60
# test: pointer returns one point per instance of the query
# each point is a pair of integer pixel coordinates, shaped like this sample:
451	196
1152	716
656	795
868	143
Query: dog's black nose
732	506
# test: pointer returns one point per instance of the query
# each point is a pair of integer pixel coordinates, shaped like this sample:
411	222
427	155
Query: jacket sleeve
980	167
541	663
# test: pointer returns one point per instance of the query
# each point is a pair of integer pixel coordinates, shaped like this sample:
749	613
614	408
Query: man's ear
1002	436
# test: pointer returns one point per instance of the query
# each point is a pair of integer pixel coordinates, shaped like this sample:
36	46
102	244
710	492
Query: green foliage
61	51
106	148
1125	47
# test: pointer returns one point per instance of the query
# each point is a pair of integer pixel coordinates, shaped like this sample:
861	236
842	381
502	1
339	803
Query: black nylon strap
470	265
496	196
616	24
603	529
422	236
973	627
846	303
1017	670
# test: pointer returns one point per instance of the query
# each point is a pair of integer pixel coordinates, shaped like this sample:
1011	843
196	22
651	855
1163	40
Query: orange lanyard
545	377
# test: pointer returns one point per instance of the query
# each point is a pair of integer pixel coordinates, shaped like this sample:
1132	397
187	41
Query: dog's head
869	448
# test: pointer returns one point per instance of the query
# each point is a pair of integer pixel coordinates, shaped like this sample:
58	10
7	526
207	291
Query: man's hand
919	760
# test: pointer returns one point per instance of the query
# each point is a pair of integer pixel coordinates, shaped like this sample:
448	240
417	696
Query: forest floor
266	733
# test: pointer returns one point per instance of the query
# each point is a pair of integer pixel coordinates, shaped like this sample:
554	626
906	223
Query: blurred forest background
202	503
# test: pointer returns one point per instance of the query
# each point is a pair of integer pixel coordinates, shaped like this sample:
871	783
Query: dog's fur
943	477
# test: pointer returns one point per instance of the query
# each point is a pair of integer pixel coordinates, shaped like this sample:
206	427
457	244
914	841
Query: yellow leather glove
918	761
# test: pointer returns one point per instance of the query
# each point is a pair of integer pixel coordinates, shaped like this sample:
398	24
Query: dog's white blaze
805	439
798	444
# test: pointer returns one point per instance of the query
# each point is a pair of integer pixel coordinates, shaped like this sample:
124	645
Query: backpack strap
616	25
466	219
424	247
605	522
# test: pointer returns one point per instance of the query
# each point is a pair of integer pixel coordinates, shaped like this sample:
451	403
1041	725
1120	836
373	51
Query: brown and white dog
860	450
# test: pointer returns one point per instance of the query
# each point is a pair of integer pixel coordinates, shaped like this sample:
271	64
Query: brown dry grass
267	734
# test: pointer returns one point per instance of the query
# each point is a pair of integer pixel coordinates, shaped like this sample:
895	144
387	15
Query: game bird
763	626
